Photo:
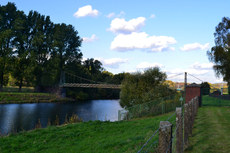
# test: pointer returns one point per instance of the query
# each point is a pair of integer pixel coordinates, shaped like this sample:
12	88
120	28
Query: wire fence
152	108
215	97
175	138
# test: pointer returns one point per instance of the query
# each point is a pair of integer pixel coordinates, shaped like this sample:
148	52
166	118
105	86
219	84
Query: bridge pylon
62	78
61	83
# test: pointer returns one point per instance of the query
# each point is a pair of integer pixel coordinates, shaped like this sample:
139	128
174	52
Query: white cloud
145	65
194	46
120	14
112	62
152	16
142	41
86	11
121	26
190	71
92	39
197	65
110	15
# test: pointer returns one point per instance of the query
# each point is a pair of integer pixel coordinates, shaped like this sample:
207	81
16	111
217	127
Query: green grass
87	137
15	89
209	101
211	131
11	95
7	98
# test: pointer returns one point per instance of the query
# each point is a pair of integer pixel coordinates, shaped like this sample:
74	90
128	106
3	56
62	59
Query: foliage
35	47
34	51
220	53
205	88
143	87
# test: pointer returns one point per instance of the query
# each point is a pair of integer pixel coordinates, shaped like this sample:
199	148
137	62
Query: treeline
34	51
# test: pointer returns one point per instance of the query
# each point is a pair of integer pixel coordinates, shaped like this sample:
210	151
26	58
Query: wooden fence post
165	136
195	108
190	118
179	132
186	125
193	112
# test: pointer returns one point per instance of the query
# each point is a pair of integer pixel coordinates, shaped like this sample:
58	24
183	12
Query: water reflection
18	117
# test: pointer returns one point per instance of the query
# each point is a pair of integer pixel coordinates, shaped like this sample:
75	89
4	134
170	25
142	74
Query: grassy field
209	101
87	137
11	95
15	89
8	97
211	131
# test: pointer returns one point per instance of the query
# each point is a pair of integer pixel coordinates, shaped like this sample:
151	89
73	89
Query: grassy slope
209	101
211	131
92	136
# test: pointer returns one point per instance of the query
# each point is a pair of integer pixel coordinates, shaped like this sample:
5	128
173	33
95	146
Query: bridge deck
111	86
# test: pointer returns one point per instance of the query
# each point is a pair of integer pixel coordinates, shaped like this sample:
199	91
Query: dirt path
211	132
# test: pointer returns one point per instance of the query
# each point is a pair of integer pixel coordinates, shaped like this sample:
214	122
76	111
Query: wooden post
185	84
186	125
195	107
165	136
192	102
190	118
179	132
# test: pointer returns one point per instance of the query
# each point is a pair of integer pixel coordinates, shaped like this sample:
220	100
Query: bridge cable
175	75
86	79
196	77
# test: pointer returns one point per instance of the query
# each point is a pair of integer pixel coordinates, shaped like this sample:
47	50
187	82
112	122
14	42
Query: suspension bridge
71	80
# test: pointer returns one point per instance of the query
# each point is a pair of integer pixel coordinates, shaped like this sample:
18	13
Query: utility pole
185	85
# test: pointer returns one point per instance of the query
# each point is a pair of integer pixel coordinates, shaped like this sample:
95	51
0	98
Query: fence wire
152	108
154	146
153	141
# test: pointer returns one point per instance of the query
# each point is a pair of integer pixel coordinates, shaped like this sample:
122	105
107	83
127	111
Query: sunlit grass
92	136
211	131
210	101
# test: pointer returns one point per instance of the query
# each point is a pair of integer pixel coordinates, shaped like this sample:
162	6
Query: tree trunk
20	86
1	79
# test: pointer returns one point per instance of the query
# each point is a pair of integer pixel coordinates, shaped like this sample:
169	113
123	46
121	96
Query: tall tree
8	16
66	45
93	66
41	39
21	53
220	53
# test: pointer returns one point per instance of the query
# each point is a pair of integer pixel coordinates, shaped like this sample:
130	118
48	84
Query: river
18	117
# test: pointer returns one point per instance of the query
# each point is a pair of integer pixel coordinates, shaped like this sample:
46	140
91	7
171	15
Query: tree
66	45
8	16
205	88
143	87
220	53
92	65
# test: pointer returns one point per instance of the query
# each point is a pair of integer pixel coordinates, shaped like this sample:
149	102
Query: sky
133	35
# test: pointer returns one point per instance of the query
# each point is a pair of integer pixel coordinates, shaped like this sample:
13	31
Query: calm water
25	116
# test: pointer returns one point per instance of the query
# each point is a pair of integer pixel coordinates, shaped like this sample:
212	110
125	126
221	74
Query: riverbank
28	97
91	136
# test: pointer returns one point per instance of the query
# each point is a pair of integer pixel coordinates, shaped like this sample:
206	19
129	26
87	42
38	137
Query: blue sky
132	35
